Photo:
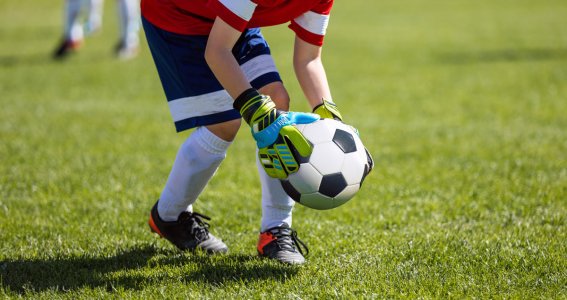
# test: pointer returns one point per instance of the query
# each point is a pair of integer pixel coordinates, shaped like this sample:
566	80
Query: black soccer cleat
66	47
282	244
189	232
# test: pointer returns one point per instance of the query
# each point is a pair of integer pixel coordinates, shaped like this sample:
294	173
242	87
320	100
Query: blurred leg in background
84	17
73	34
94	9
129	18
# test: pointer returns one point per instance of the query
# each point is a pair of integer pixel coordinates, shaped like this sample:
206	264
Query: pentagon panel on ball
334	171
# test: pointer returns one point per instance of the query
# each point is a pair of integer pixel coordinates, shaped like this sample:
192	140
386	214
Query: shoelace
286	238
196	225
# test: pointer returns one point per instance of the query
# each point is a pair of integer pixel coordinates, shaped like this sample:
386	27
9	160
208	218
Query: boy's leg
195	99
276	204
277	239
129	19
72	30
197	161
94	18
172	217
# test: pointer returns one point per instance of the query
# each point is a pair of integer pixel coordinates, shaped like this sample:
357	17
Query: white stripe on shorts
219	101
202	105
258	66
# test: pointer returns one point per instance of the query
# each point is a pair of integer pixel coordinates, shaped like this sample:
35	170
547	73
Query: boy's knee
226	130
278	93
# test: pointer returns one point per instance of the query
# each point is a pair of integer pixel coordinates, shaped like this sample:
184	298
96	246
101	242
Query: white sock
73	29
197	161
276	204
129	22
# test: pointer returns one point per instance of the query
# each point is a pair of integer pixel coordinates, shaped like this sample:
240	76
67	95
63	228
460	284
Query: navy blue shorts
194	95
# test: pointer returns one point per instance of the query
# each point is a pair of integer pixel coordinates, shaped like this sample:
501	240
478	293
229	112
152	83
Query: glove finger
299	142
302	118
271	163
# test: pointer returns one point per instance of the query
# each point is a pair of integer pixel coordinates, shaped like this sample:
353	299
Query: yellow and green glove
275	136
329	110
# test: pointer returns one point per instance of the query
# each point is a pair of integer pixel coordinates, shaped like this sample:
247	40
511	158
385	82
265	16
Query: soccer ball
334	171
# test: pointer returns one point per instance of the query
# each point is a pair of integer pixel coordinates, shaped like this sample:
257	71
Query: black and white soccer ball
334	171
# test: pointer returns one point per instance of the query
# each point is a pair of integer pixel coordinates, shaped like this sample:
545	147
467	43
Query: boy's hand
274	134
329	110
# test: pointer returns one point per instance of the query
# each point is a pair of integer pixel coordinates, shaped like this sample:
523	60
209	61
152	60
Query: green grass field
462	103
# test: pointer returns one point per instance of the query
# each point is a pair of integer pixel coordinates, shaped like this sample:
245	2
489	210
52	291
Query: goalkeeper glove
329	110
275	136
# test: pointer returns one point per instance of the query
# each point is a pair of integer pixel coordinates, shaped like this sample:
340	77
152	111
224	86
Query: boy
215	67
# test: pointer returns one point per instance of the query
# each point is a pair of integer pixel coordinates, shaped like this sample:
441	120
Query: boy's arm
310	72
220	59
313	80
272	129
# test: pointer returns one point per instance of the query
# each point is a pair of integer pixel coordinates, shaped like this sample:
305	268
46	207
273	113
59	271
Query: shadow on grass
503	55
38	59
134	269
7	61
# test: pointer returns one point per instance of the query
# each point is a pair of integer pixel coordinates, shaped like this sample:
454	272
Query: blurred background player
84	17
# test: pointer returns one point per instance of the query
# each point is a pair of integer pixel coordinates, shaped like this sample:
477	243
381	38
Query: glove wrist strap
244	97
245	105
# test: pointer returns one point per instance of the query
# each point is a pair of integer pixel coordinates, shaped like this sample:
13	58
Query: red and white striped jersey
309	18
